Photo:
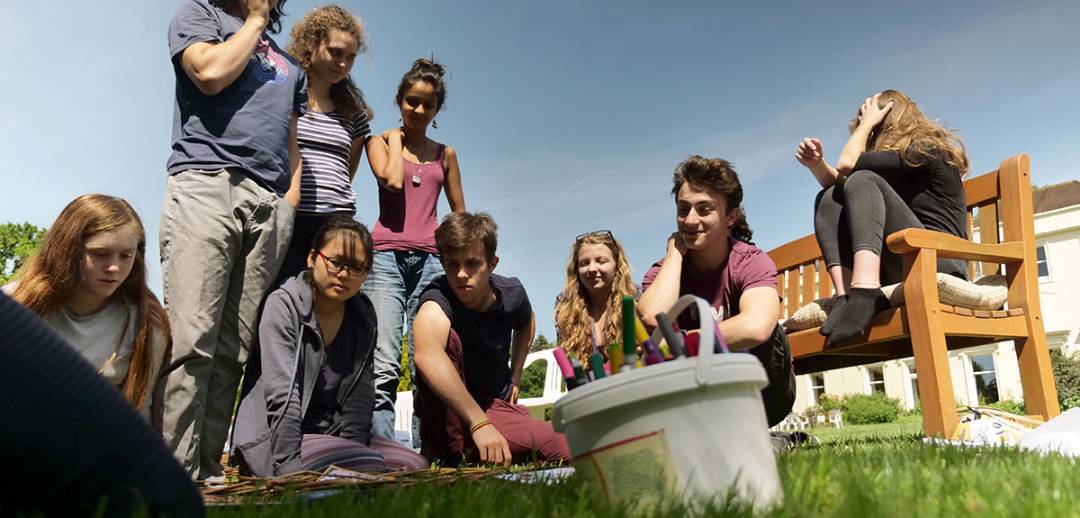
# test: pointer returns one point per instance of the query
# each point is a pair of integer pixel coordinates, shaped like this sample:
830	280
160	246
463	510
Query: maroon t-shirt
747	267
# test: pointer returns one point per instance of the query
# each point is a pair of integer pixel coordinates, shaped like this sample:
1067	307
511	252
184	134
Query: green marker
596	361
629	333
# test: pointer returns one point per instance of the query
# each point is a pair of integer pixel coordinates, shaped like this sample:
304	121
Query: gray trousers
223	237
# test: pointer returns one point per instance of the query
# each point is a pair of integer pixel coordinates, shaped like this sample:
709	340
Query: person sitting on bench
898	170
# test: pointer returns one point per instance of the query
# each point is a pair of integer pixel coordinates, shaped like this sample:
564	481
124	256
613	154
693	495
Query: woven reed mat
239	490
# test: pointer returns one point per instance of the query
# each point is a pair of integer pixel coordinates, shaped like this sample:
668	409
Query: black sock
834	315
862	305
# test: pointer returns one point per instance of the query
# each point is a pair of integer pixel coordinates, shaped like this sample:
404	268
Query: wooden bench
925	328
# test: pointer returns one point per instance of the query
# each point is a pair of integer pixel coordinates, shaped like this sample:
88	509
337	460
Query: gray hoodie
280	379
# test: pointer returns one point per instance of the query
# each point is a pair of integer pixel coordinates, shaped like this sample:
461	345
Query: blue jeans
394	285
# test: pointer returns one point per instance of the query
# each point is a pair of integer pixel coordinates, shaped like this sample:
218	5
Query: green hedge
1067	378
870	409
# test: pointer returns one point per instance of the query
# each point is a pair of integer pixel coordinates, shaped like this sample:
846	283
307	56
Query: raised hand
810	152
871	114
258	8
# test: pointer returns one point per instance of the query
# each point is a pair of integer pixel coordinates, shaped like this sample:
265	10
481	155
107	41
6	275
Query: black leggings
857	215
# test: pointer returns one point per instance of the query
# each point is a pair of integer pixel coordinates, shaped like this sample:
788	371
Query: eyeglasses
335	266
601	233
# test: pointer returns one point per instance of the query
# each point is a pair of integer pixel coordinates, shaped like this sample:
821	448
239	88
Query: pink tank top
407	219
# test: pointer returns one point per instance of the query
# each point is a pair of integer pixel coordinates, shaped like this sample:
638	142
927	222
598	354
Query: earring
434	124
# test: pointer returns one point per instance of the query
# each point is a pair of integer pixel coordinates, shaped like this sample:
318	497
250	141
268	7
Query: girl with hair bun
897	170
406	258
587	312
710	256
334	132
88	283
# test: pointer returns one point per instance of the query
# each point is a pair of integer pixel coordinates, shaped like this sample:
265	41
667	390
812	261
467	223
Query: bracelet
480	424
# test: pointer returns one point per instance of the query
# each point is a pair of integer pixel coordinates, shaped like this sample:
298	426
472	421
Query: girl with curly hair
417	169
334	132
898	170
588	312
88	283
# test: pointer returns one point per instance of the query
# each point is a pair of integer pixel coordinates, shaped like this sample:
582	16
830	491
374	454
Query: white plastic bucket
691	427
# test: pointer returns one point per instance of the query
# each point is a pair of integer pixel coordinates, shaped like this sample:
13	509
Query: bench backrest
998	204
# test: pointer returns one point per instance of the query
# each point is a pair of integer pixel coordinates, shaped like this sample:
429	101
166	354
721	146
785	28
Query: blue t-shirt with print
246	125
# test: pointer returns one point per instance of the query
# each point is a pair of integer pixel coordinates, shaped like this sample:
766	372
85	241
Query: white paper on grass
1060	434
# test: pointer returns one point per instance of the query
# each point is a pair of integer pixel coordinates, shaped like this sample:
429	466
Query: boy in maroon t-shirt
710	256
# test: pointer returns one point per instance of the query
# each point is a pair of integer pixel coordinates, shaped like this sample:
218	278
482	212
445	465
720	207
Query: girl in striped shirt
334	132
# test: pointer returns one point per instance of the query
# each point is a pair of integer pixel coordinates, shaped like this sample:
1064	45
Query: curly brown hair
718	177
909	133
310	32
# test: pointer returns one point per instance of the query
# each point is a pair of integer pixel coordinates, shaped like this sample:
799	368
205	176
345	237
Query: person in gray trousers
234	177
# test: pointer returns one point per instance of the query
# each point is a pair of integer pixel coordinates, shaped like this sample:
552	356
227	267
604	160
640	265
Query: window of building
1042	263
913	380
982	368
817	386
875	377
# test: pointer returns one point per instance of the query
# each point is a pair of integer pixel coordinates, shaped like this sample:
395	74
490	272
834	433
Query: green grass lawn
868	470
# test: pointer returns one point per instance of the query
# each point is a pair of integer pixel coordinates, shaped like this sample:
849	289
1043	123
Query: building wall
1058	232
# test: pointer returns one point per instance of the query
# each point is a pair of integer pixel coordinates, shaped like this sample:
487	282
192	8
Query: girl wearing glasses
88	283
333	133
406	259
588	313
308	393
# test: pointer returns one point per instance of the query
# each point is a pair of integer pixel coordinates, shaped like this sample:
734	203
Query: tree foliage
18	241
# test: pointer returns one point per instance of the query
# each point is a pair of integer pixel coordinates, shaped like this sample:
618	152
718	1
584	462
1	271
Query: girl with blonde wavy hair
898	170
334	132
587	313
88	283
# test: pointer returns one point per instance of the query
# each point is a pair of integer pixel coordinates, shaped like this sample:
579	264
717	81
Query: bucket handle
709	332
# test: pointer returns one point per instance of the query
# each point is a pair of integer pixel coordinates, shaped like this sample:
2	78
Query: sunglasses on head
602	233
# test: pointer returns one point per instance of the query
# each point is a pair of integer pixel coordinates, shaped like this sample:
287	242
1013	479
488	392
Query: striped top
325	141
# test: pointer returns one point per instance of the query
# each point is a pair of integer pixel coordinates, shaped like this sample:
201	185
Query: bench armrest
947	245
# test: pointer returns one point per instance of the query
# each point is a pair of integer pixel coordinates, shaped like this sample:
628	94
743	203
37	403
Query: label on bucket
638	470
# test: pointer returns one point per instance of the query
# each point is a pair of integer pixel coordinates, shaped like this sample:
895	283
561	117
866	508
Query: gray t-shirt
246	125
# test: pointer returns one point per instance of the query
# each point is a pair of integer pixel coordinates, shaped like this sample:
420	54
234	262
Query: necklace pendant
416	180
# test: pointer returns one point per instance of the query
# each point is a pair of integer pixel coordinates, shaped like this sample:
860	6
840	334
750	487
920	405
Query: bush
827	403
532	379
1009	406
1067	377
870	409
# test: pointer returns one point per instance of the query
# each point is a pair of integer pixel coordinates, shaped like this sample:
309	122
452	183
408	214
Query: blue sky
568	116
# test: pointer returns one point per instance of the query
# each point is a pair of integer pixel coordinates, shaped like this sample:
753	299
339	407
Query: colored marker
673	337
615	352
639	330
692	341
597	363
564	365
629	332
579	373
652	353
721	344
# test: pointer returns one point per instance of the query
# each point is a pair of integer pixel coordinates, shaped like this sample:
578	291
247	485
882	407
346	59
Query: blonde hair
572	320
913	136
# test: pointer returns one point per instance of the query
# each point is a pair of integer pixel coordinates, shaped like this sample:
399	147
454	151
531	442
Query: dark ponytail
426	70
718	176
